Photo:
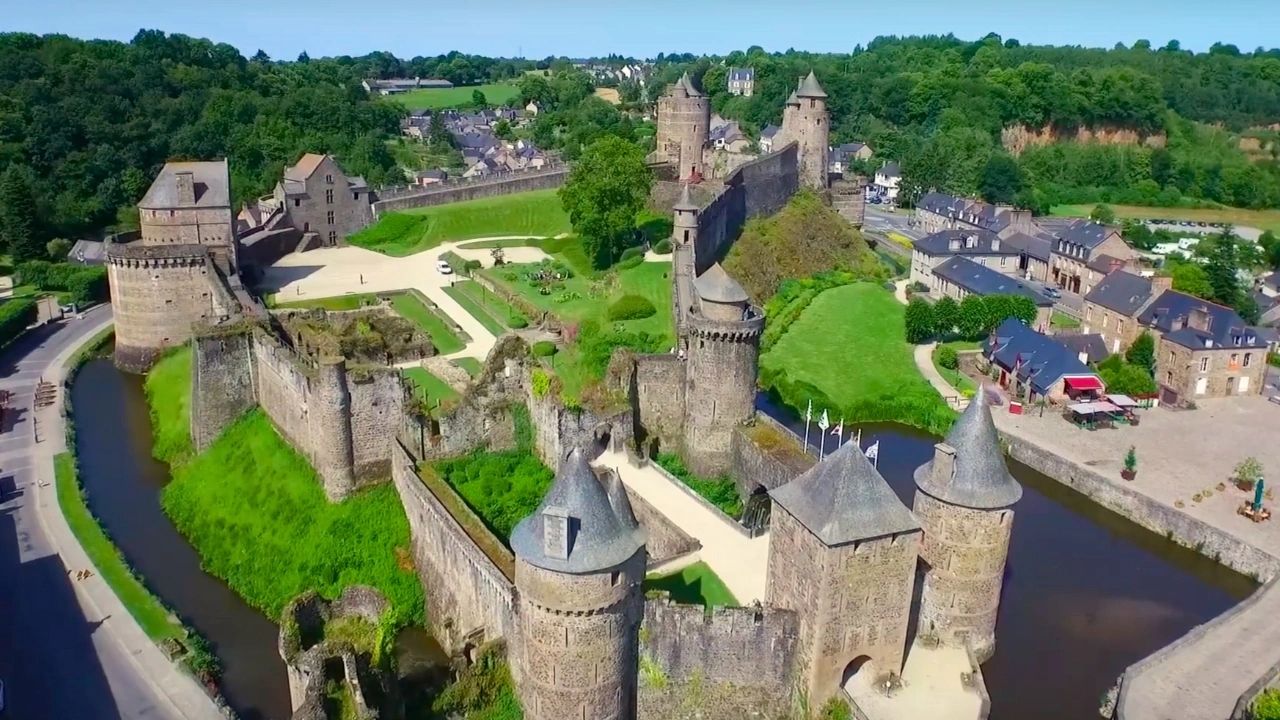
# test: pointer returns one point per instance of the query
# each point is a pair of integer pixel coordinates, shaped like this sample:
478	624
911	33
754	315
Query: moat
1086	594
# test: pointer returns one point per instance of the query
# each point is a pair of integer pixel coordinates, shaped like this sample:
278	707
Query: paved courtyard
931	688
1180	453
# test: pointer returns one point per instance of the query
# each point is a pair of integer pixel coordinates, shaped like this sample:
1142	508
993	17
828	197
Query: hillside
804	238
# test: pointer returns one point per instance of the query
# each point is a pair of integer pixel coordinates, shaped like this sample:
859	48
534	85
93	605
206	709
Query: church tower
842	555
722	355
964	499
580	562
805	120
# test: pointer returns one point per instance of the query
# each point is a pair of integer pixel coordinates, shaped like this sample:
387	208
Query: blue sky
538	28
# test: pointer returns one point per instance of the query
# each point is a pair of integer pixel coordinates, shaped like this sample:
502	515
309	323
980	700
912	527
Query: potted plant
1247	473
1130	470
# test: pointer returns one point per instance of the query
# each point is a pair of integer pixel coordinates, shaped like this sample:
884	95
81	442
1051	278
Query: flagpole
822	450
808	416
823	423
859	438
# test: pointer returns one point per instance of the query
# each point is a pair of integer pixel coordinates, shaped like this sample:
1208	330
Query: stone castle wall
557	429
720	388
658	392
743	646
759	187
470	596
766	455
377	405
222	384
518	182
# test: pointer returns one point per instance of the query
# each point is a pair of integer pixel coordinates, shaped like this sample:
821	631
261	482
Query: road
60	657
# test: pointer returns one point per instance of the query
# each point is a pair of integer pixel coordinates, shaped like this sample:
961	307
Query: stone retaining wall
769	466
507	184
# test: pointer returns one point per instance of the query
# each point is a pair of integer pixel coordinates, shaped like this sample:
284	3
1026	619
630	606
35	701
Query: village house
1033	366
841	156
1035	251
960	277
729	137
396	86
886	182
742	81
1089	347
1084	253
980	246
1111	309
767	136
937	211
318	197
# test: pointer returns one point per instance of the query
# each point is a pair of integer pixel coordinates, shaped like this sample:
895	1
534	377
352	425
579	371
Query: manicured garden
460	96
255	511
398	234
491	311
846	351
696	584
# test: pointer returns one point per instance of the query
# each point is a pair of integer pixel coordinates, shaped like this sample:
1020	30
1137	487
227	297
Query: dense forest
939	106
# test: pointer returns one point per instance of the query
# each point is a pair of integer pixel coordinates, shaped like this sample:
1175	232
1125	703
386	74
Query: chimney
186	187
944	463
1199	319
1159	284
556	532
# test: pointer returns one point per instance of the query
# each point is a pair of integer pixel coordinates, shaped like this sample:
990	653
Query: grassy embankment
398	234
1063	321
848	353
254	510
1261	219
406	304
696	584
457	97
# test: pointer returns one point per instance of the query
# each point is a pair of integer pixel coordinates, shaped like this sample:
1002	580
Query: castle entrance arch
860	672
756	511
603	437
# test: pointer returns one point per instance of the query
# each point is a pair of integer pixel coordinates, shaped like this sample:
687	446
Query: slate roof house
886	181
960	277
1034	366
767	136
841	156
980	246
742	81
1077	264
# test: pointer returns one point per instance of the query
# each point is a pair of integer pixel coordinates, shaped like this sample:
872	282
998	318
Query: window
329	217
328	196
1171	356
1235	358
1168	377
1088	312
1247	358
1204	364
1004	259
333	237
356	196
297	202
328	179
1105	318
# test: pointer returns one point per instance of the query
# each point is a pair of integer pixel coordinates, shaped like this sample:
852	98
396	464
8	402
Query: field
848	354
254	510
455	97
404	233
407	304
696	584
566	249
470	364
1261	219
490	310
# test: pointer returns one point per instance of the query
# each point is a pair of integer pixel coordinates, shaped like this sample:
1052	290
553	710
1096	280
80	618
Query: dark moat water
1086	593
113	444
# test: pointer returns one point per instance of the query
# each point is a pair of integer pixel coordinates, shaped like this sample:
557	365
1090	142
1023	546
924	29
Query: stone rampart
665	540
222	384
766	455
283	380
558	429
759	187
377	404
657	389
470	589
468	189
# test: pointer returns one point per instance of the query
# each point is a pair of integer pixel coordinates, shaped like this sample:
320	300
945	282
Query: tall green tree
946	315
1142	353
1191	279
1221	271
919	321
1001	179
606	189
18	215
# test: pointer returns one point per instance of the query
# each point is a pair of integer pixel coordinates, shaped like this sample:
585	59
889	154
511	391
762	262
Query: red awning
1089	382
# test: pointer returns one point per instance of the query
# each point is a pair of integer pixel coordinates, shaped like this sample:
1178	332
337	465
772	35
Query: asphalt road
54	663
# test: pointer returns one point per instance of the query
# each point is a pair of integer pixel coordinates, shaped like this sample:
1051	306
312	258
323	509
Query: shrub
471	266
1247	473
631	262
1267	706
720	491
662	247
517	322
82	283
15	316
948	358
631	252
544	348
631	307
918	286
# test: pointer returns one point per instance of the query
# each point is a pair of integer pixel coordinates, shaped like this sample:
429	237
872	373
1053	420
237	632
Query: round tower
720	374
684	237
964	501
684	122
805	120
330	425
580	562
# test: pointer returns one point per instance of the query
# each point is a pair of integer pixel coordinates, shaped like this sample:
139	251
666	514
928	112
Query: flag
824	422
808	413
839	431
873	450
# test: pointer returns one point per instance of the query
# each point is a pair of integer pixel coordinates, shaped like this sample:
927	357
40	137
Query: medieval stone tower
334	459
842	555
806	121
684	236
964	500
722	354
580	562
684	122
173	272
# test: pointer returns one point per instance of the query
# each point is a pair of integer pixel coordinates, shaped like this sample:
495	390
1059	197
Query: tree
946	315
58	249
972	318
1270	245
1103	214
534	88
1221	271
606	189
18	215
919	321
1191	279
261	57
478	99
1142	353
1001	179
1123	378
502	129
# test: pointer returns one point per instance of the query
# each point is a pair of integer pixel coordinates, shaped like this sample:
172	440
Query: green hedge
544	348
924	410
631	307
631	252
83	283
662	247
719	491
15	316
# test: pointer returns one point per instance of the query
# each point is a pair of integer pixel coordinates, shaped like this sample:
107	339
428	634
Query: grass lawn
847	352
456	97
1261	219
696	584
404	233
168	387
651	280
352	301
153	616
958	380
441	331
428	387
470	364
492	311
1063	321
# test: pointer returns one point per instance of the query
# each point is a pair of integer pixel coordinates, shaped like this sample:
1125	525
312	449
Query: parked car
444	267
1052	292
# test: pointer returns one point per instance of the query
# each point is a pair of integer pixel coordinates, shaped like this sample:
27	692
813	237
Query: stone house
886	182
980	246
742	81
1034	366
767	136
840	157
320	198
960	277
1077	262
1112	308
1035	253
936	211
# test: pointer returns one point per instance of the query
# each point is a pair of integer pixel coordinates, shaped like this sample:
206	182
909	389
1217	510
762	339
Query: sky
643	28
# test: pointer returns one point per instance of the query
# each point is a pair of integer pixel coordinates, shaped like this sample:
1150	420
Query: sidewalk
923	355
180	696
